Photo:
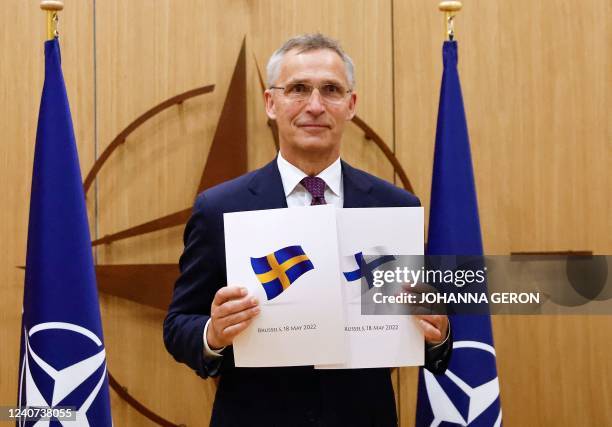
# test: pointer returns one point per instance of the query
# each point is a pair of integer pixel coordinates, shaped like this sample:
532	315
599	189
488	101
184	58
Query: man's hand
434	327
230	313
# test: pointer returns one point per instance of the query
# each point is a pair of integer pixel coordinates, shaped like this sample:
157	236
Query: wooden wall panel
536	110
535	79
146	53
21	78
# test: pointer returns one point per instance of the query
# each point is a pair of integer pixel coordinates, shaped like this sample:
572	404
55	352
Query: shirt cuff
429	347
209	352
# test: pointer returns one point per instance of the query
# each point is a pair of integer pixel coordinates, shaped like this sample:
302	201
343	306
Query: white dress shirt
298	196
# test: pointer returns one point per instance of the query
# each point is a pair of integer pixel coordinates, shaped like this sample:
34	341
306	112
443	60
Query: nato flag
468	393
63	360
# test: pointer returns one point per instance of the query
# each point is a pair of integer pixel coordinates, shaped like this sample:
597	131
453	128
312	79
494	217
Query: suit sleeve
438	357
194	291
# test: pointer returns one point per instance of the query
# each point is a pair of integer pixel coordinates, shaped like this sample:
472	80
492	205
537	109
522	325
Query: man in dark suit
311	97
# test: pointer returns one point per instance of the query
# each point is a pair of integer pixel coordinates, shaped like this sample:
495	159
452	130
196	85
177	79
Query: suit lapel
357	188
267	187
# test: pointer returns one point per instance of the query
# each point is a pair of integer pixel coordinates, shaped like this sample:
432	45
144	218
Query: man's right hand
230	313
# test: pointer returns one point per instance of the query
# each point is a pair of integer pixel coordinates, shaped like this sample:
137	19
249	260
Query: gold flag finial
52	7
450	9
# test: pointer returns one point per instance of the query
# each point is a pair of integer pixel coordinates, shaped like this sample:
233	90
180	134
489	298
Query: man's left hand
434	327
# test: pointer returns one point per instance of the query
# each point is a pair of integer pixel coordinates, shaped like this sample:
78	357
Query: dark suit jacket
295	396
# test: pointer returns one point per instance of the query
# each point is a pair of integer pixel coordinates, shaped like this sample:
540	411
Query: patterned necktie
316	187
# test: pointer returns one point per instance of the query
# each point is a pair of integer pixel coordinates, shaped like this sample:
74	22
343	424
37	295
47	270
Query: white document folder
287	258
378	340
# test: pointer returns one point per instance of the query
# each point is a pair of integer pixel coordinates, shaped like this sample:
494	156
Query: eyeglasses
300	92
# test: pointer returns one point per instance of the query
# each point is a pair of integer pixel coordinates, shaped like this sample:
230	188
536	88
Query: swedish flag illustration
280	269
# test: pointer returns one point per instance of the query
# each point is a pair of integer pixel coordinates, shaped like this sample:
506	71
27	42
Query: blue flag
63	360
468	393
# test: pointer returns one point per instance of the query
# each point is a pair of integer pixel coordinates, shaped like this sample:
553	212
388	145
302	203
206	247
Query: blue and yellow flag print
278	270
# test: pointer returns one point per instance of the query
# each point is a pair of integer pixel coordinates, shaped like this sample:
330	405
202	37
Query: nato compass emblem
48	379
462	401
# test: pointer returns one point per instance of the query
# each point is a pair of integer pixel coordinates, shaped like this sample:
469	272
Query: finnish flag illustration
357	266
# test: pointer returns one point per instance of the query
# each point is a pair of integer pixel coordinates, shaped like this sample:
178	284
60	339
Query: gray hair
305	43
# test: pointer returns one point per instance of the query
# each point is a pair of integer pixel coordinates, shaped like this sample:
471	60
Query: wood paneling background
536	88
145	54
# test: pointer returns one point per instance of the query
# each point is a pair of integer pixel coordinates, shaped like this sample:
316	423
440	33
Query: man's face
312	125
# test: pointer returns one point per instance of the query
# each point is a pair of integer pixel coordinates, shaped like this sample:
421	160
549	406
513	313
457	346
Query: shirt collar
291	175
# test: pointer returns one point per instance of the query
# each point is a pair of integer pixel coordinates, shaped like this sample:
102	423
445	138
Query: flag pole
450	9
52	7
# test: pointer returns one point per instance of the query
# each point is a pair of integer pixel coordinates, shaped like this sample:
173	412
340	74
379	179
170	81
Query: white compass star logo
481	397
66	380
